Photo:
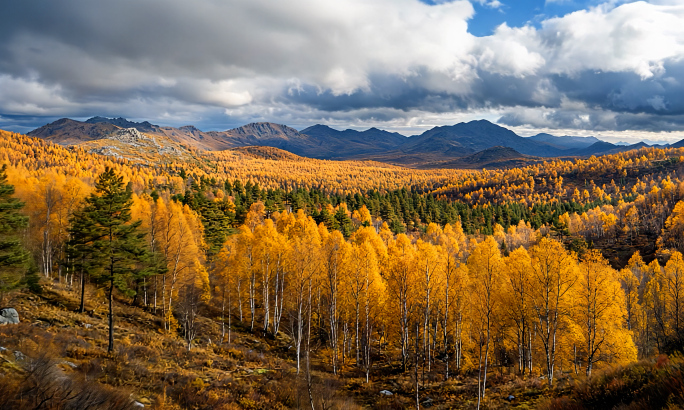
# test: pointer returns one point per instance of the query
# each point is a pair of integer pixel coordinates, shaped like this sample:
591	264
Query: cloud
221	63
494	4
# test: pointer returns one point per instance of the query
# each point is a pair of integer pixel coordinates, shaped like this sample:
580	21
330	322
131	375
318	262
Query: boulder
9	316
19	356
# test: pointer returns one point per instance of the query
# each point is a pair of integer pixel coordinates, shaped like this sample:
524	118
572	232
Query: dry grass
648	384
66	356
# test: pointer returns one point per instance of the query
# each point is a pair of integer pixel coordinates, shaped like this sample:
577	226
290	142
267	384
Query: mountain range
450	146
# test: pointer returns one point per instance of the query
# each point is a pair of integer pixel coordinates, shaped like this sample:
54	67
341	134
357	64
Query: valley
269	279
342	205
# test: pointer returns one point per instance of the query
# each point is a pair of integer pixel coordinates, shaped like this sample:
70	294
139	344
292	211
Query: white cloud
381	60
634	37
494	4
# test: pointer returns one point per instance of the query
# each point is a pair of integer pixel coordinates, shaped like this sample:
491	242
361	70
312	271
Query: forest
360	284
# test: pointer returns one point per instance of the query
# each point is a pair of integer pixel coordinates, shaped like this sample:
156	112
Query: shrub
41	384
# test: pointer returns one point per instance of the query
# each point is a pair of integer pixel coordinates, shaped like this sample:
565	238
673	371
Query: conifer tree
80	255
118	241
13	256
343	221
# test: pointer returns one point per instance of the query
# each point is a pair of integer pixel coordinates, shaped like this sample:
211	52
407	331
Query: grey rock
108	151
138	404
70	364
9	316
132	136
386	393
19	356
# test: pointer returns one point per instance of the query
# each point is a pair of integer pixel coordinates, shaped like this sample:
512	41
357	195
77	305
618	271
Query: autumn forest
261	279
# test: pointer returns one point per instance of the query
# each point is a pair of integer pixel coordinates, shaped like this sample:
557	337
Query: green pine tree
344	222
13	256
80	255
117	242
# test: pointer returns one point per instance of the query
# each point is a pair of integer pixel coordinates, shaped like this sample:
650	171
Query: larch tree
244	263
634	279
368	292
518	276
401	282
354	286
269	253
303	265
600	308
656	304
554	273
450	241
335	253
673	234
431	276
674	280
486	280
180	242
44	197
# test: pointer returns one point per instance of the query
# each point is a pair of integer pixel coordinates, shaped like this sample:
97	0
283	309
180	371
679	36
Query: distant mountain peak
320	126
122	122
482	141
266	130
565	142
98	119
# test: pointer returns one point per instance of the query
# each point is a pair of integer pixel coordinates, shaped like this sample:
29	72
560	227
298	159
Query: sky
609	68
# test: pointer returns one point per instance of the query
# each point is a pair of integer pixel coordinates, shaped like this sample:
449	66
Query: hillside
68	132
251	263
565	142
336	144
467	138
272	135
131	144
60	352
435	146
269	153
242	164
490	158
59	355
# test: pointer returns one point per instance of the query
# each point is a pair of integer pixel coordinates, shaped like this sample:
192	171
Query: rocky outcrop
107	150
9	316
133	137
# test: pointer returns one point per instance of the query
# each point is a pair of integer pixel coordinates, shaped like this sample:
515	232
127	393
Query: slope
490	158
564	142
351	143
131	144
468	138
435	146
66	131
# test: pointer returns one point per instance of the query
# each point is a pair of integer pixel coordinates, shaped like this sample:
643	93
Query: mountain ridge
440	144
565	142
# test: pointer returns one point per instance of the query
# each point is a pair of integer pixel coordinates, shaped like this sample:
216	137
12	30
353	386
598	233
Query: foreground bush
651	384
39	383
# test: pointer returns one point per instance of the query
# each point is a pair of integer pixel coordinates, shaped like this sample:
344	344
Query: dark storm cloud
218	64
